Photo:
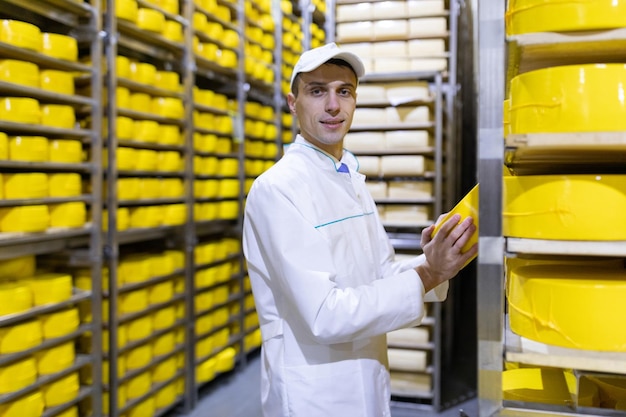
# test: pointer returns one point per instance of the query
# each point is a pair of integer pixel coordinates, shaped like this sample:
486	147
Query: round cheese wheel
573	306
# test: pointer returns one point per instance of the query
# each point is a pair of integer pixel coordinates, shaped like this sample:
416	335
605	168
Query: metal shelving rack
77	247
123	38
446	390
499	59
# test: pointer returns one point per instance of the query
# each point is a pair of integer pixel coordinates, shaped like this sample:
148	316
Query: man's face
325	105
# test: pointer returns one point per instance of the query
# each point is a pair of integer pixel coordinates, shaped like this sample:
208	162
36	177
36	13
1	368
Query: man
322	269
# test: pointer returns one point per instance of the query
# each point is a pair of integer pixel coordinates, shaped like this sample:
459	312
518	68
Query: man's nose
332	102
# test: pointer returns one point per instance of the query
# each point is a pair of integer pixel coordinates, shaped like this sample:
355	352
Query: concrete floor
237	395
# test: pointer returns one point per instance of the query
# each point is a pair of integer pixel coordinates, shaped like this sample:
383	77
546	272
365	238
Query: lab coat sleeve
393	267
439	293
292	257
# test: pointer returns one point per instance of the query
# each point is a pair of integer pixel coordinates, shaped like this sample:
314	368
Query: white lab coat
317	252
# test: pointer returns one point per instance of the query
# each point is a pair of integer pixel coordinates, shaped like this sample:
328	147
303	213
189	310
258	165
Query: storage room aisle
236	394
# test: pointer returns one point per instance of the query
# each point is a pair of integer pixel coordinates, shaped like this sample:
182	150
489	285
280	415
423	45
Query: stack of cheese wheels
573	306
569	98
557	207
527	16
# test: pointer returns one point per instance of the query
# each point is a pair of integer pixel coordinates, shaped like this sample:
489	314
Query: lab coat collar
347	158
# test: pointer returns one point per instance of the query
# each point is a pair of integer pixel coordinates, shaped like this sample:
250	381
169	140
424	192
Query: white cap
313	58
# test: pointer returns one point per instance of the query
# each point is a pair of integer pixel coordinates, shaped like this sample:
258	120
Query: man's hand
444	258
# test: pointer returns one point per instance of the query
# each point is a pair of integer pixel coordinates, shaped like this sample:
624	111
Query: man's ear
291	102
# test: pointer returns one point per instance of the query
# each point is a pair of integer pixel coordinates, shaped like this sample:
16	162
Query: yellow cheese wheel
173	31
139	328
164	370
20	110
146	160
174	214
171	188
21	35
146	216
228	188
205	372
227	58
557	207
142	72
60	46
547	386
20	337
228	166
72	214
125	158
168	80
26	185
28	405
228	209
61	82
24	219
61	391
134	268
146	130
28	148
168	107
60	323
149	188
17	375
140	102
19	72
16	268
127	10
50	288
128	188
138	357
161	292
138	386
164	344
163	318
165	396
169	135
150	19
55	359
203	96
574	306
58	115
170	161
226	360
133	301
64	185
571	98
65	151
15	297
528	16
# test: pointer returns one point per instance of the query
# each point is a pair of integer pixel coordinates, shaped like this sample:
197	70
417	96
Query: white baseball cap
313	58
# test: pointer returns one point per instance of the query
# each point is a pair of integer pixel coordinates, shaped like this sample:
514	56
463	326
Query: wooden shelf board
580	151
520	349
539	50
566	247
